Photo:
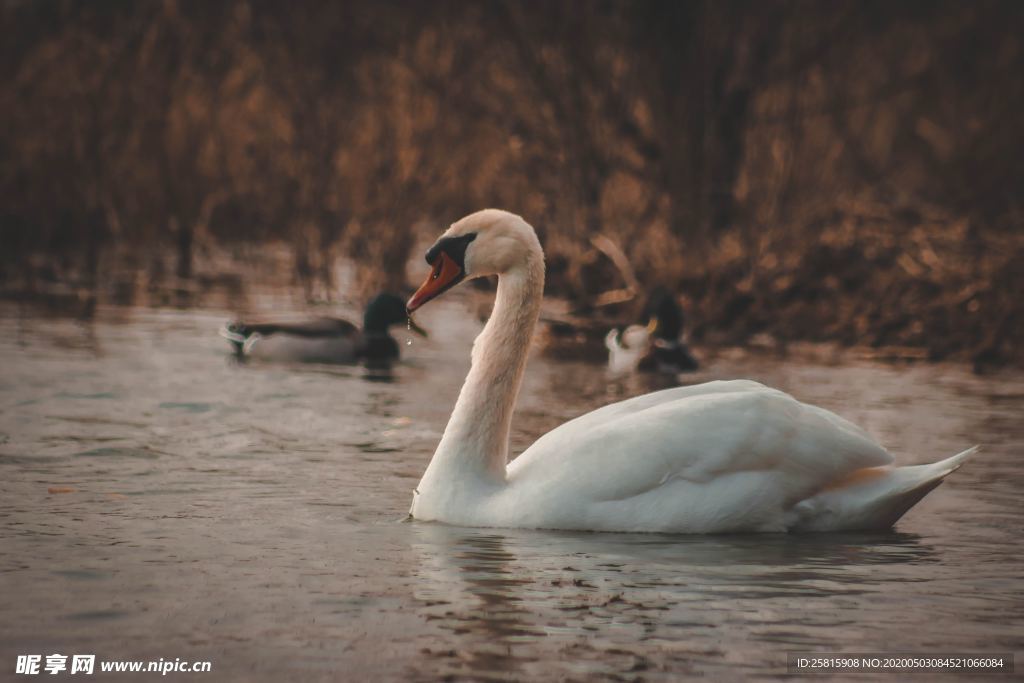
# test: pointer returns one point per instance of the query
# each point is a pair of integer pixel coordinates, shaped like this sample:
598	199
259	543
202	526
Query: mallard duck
731	456
656	347
574	338
325	340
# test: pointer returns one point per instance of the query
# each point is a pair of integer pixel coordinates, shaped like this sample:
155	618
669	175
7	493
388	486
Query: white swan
716	457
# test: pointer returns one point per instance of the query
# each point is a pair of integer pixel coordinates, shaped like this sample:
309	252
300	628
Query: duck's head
385	310
488	242
664	314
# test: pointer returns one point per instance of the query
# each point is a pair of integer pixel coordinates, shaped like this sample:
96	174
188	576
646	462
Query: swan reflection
495	597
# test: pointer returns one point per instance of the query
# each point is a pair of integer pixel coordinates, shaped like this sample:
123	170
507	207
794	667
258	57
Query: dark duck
323	339
656	347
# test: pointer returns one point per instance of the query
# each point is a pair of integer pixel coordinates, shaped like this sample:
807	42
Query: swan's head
488	242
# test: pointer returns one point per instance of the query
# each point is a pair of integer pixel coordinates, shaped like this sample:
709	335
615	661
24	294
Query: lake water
158	500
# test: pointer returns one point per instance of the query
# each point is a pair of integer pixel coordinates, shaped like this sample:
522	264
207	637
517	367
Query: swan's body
716	457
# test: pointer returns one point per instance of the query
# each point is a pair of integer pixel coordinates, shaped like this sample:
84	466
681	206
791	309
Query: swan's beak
446	274
652	325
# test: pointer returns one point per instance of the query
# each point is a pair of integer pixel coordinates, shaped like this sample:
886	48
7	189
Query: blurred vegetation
849	171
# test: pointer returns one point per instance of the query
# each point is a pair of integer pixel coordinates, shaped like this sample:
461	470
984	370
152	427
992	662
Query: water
253	516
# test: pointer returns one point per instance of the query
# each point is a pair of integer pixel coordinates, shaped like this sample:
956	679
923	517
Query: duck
626	348
722	456
573	338
324	339
656	347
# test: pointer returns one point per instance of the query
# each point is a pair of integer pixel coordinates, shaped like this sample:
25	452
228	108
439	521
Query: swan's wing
612	411
698	433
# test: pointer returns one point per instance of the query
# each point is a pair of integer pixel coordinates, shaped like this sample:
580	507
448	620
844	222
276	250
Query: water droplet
408	341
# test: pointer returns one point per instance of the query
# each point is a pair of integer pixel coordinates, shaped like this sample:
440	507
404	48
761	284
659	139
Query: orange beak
445	275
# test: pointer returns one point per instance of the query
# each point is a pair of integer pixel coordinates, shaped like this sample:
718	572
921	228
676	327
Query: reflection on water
597	597
159	500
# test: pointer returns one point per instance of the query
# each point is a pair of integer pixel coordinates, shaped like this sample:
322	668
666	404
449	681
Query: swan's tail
872	498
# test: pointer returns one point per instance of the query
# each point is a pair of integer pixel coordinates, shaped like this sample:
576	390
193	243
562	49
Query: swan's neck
475	442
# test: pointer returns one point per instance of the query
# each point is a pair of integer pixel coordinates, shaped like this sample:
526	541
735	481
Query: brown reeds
843	171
